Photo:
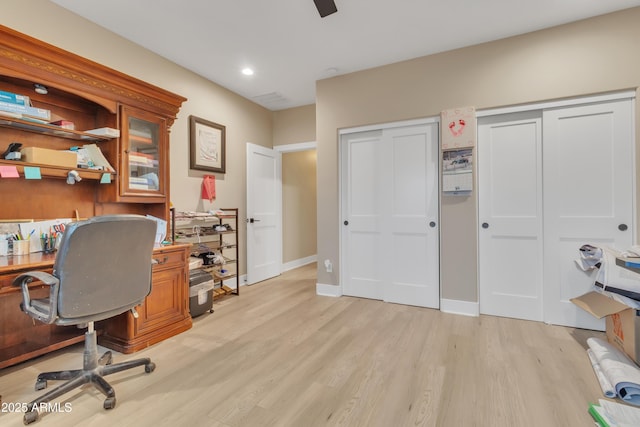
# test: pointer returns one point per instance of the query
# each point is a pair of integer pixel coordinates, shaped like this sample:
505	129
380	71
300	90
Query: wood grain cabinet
88	96
165	311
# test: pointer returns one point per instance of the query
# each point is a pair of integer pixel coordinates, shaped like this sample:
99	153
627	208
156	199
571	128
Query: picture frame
206	145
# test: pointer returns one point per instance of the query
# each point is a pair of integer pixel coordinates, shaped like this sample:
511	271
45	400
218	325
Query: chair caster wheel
109	403
149	367
30	417
106	359
41	385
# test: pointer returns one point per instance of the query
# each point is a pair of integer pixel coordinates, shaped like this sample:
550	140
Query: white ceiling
290	47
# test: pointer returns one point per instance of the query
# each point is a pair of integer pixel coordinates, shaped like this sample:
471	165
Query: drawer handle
157	261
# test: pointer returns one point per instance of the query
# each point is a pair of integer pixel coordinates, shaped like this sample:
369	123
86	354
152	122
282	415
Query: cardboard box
46	156
622	322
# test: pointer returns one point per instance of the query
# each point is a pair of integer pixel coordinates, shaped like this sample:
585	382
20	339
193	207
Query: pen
31	234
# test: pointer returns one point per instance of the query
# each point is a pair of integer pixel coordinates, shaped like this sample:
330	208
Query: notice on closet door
457	171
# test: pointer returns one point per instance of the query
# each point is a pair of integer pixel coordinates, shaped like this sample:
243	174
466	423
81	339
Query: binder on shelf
26	111
104	132
14	98
64	124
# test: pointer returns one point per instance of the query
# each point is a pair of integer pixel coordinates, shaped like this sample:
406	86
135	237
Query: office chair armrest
23	281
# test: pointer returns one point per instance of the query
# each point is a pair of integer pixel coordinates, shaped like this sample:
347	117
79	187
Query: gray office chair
102	269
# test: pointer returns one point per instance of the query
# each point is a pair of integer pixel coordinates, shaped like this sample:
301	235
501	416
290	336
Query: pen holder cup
48	244
21	247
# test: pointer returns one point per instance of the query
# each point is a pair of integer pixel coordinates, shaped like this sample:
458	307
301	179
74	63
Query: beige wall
591	56
294	125
245	121
299	205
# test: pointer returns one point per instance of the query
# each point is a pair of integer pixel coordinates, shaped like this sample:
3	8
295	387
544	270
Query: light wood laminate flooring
279	355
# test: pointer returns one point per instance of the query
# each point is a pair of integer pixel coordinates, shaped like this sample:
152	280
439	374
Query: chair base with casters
93	372
92	282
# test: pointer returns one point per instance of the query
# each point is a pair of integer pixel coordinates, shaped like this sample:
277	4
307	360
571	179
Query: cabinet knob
346	223
485	225
622	227
432	224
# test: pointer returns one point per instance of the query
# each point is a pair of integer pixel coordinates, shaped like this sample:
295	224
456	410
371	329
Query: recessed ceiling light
247	71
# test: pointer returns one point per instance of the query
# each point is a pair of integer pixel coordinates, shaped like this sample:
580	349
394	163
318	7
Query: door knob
622	227
485	225
432	224
252	220
346	223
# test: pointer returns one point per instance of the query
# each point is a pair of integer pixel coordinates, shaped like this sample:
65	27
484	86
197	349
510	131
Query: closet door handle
346	223
622	227
485	225
432	224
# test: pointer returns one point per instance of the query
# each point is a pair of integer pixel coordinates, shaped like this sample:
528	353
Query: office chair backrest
104	265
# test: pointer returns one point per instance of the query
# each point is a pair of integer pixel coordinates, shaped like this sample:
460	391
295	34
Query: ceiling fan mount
325	7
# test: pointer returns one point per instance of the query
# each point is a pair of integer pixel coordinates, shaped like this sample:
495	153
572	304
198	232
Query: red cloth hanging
209	187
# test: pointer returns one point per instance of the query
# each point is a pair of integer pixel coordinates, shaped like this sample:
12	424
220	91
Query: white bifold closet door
389	218
510	214
550	181
588	183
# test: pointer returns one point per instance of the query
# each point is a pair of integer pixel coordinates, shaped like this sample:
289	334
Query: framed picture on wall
207	145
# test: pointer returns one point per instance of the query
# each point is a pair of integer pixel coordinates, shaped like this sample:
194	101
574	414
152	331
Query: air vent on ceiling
270	99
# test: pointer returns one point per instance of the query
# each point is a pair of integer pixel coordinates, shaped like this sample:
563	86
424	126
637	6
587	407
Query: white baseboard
328	290
299	263
465	308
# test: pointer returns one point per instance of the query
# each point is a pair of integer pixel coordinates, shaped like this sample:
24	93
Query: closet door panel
363	219
510	214
588	188
413	275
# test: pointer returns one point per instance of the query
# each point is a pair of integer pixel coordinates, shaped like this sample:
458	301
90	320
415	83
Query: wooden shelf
198	230
48	171
51	130
222	292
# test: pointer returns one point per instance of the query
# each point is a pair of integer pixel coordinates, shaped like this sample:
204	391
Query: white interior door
412	228
264	213
588	184
363	248
389	243
510	215
550	182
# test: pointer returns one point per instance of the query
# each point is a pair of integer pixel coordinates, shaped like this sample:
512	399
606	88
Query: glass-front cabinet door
143	150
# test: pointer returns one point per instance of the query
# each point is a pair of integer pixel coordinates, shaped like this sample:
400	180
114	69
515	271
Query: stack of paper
618	375
611	414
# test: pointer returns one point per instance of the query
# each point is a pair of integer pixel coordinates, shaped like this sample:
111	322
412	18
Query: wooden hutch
91	96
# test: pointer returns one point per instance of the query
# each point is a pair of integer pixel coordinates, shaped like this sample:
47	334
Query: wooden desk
21	337
164	313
